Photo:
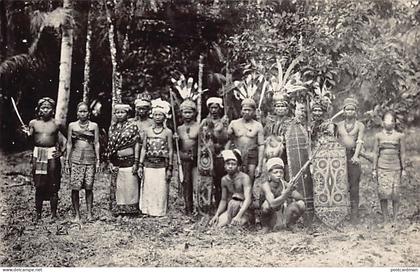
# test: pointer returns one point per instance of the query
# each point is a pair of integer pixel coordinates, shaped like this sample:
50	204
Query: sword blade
16	111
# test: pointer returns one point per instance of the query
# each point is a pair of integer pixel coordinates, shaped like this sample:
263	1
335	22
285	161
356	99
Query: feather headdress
284	84
322	97
246	89
188	90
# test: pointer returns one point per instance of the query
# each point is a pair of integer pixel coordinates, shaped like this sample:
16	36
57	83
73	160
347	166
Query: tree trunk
65	69
87	56
116	73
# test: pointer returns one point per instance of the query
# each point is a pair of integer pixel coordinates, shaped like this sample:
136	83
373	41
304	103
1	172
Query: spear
200	87
178	158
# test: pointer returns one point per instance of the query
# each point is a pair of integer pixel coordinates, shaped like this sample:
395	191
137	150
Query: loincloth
235	205
41	157
250	156
46	171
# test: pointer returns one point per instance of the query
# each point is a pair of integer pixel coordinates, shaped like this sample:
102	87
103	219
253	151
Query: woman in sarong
389	164
82	159
156	163
123	152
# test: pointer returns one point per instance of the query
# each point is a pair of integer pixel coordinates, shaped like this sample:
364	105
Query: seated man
238	185
281	205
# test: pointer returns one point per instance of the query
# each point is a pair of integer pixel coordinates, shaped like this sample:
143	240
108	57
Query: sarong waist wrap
123	161
155	162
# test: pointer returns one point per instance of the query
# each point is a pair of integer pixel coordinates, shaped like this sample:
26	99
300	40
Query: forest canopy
125	47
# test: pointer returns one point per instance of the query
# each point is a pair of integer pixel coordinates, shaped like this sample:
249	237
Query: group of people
140	155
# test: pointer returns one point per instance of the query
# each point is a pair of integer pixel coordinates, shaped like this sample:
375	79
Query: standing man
188	135
276	128
46	165
350	134
220	138
247	135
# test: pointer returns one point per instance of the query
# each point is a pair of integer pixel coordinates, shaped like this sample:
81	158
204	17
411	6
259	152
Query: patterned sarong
389	183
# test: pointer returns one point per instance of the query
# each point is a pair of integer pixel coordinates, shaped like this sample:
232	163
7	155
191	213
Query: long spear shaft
200	87
178	158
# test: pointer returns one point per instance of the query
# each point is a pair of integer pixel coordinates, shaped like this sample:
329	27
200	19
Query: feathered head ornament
283	85
188	90
322	98
246	89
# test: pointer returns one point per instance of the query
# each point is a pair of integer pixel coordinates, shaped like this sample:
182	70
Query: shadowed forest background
124	47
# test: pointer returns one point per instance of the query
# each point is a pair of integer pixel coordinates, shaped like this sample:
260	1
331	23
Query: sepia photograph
210	134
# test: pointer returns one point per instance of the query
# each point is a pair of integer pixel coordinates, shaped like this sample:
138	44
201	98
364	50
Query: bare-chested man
237	187
281	205
188	134
247	135
220	137
350	134
46	168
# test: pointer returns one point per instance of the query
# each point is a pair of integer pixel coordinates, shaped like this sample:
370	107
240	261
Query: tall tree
87	56
65	67
113	46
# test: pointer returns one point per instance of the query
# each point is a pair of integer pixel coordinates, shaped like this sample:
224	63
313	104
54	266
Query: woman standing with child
388	164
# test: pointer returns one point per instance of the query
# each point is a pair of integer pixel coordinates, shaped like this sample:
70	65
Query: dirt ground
177	240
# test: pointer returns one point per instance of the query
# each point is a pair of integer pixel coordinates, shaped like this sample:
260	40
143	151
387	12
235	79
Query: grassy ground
177	240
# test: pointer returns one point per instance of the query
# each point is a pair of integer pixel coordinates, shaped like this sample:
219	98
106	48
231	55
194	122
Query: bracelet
140	164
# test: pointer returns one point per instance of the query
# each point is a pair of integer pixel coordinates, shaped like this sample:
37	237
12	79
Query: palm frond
17	63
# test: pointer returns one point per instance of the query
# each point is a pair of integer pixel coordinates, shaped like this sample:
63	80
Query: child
82	159
388	164
280	203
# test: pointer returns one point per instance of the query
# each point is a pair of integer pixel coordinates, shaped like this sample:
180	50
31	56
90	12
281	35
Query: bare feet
90	217
76	219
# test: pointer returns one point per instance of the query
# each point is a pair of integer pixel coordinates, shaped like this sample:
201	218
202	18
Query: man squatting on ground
46	165
281	205
237	187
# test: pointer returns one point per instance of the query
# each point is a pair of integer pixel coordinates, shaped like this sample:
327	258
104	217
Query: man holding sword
46	165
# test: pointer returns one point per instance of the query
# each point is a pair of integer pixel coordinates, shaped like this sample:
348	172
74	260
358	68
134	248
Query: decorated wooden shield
204	188
331	194
297	155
